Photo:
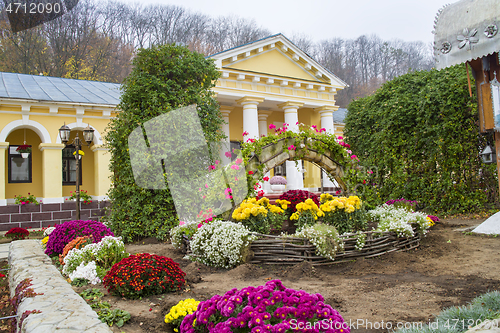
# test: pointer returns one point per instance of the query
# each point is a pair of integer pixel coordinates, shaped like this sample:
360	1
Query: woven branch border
278	250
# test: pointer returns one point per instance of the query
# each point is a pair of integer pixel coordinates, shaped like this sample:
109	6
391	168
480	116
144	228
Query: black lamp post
88	136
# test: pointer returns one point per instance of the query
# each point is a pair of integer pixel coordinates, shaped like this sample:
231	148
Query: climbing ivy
419	133
163	78
298	144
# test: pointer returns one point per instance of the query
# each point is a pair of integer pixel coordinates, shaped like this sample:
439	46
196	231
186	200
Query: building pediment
276	56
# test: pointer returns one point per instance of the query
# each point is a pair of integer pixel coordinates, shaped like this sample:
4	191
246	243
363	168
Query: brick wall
43	215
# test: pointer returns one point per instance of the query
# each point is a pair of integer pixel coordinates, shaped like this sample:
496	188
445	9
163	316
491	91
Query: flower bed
272	250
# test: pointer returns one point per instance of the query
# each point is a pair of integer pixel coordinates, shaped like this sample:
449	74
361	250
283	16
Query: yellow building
269	81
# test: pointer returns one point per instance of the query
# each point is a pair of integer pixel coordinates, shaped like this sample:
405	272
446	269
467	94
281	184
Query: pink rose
272	126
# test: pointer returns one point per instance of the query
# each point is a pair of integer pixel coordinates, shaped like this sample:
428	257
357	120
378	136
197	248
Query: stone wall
62	310
43	215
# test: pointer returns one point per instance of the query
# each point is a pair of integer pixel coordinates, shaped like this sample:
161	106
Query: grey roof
339	116
466	30
56	89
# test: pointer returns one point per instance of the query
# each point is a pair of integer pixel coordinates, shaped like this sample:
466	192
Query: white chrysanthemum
87	272
48	231
105	253
220	243
399	220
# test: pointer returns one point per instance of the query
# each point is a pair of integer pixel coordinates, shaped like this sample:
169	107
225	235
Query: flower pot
278	188
25	155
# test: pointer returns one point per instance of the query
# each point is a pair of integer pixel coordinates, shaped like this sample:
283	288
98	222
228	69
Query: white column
266	187
326	113
263	122
293	173
226	146
250	116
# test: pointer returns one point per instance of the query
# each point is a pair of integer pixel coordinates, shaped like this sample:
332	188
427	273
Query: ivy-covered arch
323	149
274	154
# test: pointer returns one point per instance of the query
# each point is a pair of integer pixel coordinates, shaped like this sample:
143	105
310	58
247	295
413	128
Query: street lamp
88	136
487	155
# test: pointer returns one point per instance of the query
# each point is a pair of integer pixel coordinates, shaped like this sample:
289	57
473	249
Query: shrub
404	132
268	308
105	253
346	214
179	311
144	274
278	180
17	233
66	232
163	78
221	244
76	243
297	196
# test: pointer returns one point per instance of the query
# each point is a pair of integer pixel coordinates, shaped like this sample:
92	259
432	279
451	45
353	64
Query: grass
461	318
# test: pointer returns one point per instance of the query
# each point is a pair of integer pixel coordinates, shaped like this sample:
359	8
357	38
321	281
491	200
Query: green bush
418	138
163	79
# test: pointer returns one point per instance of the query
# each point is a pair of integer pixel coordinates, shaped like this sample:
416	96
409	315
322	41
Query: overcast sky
409	20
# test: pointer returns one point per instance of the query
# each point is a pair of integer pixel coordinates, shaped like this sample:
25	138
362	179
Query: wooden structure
278	250
468	32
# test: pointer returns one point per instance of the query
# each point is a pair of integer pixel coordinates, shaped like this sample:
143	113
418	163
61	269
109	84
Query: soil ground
450	268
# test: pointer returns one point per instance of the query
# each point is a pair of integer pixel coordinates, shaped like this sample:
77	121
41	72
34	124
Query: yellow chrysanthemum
182	309
263	201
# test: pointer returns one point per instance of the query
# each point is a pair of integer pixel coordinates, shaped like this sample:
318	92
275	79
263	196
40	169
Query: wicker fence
278	250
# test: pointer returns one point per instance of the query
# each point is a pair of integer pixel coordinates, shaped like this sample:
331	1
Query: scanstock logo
170	152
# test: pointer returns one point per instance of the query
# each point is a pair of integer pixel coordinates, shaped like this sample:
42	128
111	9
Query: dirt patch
450	268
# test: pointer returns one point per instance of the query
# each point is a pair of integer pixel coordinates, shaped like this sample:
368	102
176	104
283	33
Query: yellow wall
236	124
273	62
87	169
35	187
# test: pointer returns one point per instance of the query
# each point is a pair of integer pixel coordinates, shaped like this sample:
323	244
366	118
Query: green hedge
419	134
